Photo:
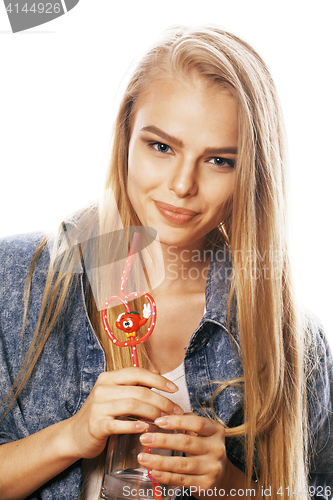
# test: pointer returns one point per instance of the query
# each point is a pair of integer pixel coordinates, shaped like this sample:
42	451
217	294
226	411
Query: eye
160	147
128	323
222	162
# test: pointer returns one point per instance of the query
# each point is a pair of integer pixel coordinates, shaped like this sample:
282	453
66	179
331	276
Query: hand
205	462
146	311
117	393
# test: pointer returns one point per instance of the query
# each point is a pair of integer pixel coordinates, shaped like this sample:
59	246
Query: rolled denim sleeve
320	410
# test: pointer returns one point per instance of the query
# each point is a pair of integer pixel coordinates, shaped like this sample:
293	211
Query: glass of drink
125	478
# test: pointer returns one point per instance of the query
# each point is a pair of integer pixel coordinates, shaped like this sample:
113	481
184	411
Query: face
181	164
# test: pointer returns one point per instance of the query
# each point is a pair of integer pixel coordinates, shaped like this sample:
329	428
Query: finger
137	376
181	480
110	426
121	407
190	422
154	370
182	465
191	445
115	392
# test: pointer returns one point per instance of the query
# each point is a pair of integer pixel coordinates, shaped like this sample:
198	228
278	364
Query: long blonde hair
271	338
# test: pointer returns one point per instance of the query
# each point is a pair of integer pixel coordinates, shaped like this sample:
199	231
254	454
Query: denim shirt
72	359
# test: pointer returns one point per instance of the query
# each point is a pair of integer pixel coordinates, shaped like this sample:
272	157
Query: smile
173	214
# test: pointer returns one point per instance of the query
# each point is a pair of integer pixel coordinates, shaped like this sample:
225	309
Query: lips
176	215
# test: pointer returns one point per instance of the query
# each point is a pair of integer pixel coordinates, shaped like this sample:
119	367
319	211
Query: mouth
177	215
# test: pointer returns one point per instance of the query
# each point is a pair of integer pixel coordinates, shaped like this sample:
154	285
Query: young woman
199	156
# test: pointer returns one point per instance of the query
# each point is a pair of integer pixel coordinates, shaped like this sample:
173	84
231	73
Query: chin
179	242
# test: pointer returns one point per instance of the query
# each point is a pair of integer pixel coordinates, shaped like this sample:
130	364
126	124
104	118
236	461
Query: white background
60	84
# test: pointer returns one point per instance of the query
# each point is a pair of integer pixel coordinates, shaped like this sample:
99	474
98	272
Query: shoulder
317	348
319	388
318	360
16	255
19	249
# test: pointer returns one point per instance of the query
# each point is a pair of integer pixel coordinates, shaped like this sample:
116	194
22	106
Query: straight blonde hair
271	333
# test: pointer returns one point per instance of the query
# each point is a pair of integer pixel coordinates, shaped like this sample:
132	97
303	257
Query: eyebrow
163	135
173	140
220	151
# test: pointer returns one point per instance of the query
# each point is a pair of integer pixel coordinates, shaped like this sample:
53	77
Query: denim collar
218	286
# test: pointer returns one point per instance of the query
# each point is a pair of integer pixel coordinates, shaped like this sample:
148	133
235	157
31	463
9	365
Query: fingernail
157	474
172	386
142	426
177	410
161	421
143	457
146	439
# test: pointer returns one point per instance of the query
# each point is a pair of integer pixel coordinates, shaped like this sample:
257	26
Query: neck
177	269
185	268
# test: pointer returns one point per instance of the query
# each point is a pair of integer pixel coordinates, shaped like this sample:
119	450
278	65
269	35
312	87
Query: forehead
187	108
167	85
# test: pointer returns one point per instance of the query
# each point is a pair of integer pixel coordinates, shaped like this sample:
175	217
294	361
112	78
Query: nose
183	181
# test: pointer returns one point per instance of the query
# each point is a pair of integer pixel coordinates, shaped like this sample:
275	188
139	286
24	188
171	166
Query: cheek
144	177
131	183
134	181
132	170
137	188
137	168
220	200
221	193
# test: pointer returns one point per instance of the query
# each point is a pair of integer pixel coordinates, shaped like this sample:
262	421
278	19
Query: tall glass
125	478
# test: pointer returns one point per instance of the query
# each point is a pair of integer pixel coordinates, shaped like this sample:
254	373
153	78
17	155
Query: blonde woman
199	155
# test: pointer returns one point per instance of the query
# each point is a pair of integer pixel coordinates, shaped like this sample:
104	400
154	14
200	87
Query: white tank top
181	397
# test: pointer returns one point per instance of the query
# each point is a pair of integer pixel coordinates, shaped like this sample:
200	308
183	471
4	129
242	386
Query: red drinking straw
132	343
